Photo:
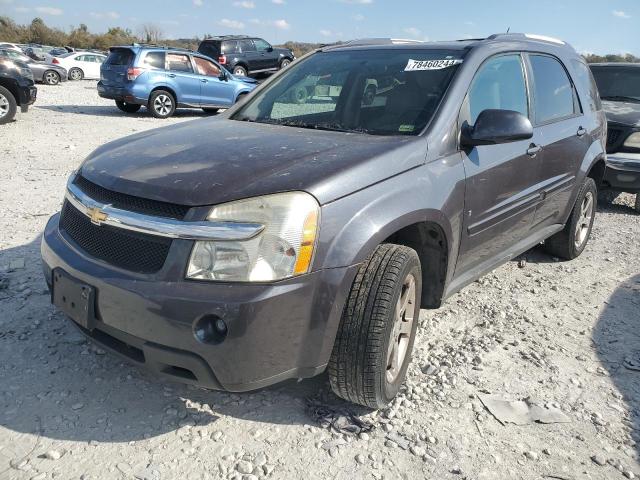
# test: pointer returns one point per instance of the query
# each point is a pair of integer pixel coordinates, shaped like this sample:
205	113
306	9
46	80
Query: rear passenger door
565	136
500	198
183	79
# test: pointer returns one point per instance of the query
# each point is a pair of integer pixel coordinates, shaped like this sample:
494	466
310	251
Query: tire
299	95
51	77
210	111
128	107
241	96
285	63
360	368
76	74
240	71
162	104
8	106
572	240
637	204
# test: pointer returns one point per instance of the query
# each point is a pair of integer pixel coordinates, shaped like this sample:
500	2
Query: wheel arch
166	89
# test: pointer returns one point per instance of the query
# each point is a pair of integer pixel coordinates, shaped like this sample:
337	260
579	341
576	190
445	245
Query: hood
217	160
624	113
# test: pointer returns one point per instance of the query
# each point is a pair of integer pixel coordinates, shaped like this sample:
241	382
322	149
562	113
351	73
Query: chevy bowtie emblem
96	215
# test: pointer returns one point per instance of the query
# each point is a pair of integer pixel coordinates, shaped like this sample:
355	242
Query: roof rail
530	36
165	47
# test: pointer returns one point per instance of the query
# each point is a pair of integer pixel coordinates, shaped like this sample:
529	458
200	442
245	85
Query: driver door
214	92
501	197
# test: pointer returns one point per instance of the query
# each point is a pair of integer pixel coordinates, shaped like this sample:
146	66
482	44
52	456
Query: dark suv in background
619	85
283	238
244	55
17	88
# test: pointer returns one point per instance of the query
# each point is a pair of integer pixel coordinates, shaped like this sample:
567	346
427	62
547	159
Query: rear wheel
128	107
51	78
76	74
572	240
162	104
8	106
240	71
378	327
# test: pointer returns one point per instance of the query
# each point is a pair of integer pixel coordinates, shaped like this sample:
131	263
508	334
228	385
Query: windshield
377	92
618	83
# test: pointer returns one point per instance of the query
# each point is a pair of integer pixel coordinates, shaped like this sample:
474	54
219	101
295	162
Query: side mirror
270	49
496	126
222	76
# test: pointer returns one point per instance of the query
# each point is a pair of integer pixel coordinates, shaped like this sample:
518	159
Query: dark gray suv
286	237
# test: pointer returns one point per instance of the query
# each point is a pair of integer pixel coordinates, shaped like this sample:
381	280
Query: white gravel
564	334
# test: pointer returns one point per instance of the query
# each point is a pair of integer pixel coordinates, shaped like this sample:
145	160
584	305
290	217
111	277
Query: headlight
283	249
633	140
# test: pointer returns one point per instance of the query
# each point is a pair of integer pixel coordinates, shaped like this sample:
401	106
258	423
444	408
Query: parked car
81	65
246	55
163	79
10	46
42	72
619	85
278	240
17	89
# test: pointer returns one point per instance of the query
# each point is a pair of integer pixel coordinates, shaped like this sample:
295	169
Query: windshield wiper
332	127
621	98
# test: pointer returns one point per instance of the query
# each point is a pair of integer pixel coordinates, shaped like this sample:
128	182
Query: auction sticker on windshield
422	65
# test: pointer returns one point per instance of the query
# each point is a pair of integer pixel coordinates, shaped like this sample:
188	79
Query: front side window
553	94
618	83
378	92
499	84
205	67
154	60
261	45
178	62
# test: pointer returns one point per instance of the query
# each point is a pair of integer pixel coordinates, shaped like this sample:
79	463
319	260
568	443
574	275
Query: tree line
81	38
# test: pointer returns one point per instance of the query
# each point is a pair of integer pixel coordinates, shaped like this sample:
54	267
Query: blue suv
164	79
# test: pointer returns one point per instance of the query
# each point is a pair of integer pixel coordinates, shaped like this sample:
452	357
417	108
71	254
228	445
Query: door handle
533	150
582	132
171	75
204	80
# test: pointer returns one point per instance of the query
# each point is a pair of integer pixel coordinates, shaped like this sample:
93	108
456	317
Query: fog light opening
210	329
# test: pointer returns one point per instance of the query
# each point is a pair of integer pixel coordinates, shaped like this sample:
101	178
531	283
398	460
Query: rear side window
154	60
120	56
499	84
553	95
178	62
246	46
584	79
229	47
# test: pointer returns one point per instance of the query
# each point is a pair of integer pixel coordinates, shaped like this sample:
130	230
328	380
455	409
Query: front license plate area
74	298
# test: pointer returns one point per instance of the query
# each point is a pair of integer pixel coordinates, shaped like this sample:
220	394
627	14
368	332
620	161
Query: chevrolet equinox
293	235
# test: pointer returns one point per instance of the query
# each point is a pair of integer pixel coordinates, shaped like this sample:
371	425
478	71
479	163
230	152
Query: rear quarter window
587	87
120	56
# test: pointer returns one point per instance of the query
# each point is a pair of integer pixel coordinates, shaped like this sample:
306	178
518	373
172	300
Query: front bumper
623	172
27	96
275	332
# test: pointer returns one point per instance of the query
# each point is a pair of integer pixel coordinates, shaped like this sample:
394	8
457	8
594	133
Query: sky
591	26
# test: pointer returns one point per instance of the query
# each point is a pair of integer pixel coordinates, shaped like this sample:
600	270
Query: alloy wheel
51	78
402	327
163	104
4	106
584	220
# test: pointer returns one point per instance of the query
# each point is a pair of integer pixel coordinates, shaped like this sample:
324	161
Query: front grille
132	251
130	202
613	135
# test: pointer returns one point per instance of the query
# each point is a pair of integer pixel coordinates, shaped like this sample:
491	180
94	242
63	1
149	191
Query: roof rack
165	47
530	36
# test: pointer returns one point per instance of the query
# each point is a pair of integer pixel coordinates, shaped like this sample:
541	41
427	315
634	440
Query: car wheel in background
8	106
285	63
51	78
637	206
128	107
378	326
161	104
76	74
210	111
240	71
300	95
572	240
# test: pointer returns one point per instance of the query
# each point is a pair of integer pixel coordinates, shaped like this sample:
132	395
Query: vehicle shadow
112	111
616	338
58	385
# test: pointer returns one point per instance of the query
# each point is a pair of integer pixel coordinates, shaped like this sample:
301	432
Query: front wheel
76	74
8	106
285	63
161	104
572	240
51	78
373	346
128	107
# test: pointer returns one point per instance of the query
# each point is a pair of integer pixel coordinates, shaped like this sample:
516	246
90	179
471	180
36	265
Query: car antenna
508	29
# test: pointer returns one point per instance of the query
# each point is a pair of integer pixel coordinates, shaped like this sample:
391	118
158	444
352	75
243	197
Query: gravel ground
564	335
